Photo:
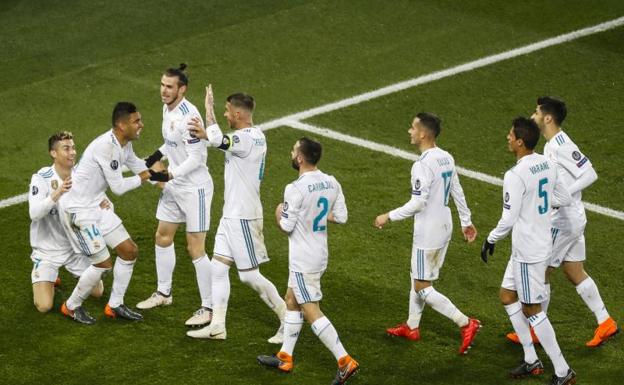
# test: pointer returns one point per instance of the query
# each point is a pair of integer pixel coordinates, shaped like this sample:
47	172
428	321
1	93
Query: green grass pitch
65	63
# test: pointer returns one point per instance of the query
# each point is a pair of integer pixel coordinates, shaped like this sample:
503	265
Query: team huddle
74	225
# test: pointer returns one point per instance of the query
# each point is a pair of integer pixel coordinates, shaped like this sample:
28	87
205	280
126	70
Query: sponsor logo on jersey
582	162
576	155
114	164
285	206
417	184
35	190
506	197
54	184
194	140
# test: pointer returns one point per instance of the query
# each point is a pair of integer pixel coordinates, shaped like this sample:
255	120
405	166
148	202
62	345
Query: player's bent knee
507	297
291	301
250	278
128	250
43	305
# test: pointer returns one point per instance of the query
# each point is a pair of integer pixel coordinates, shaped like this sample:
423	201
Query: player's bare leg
43	296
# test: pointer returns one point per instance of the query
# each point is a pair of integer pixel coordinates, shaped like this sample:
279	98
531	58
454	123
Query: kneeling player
51	248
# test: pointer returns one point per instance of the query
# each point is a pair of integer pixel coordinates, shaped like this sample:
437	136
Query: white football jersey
307	203
187	155
434	181
530	189
47	237
245	152
571	164
99	168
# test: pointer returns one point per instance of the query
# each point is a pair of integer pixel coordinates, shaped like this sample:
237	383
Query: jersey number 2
543	194
325	206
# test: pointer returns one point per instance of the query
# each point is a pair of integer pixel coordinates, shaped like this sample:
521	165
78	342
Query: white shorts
306	286
527	279
568	246
426	263
241	240
90	231
190	205
46	269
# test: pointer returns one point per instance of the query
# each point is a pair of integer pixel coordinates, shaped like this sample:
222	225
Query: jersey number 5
543	194
325	206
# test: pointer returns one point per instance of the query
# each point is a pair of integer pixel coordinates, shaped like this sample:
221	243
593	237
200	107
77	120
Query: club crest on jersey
35	190
54	184
576	156
114	164
235	138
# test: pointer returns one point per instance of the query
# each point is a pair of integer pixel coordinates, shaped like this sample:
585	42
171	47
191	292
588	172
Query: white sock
220	290
266	289
204	280
443	305
293	322
165	264
520	325
589	292
416	307
546	334
122	272
328	335
546	302
88	280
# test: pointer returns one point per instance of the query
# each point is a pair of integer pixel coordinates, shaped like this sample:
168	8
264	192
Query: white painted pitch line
396	152
466	67
13	200
416	82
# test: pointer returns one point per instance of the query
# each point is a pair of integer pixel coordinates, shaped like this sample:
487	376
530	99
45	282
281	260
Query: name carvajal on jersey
320	186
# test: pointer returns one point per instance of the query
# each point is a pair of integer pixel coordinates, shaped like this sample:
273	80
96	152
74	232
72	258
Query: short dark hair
553	107
311	150
527	130
431	122
179	73
242	100
122	110
57	137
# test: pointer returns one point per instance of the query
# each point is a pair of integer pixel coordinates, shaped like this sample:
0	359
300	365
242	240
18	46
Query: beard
294	164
